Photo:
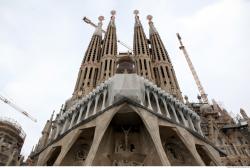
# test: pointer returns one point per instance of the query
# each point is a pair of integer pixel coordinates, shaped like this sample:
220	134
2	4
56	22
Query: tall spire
88	72
141	50
152	29
109	51
163	69
46	131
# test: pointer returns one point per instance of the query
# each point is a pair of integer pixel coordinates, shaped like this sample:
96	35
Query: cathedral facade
127	109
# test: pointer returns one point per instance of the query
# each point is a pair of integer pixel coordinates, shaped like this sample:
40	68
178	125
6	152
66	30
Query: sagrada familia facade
127	109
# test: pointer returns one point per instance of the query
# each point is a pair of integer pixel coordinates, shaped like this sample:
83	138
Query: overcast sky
43	42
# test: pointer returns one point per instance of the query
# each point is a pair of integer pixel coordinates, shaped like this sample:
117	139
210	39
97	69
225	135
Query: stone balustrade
159	101
140	90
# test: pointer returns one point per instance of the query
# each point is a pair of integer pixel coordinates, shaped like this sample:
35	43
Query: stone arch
54	153
78	152
126	141
177	152
203	152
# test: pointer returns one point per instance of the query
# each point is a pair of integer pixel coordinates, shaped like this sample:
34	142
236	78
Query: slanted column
175	115
88	106
57	129
66	122
166	108
80	114
72	120
198	126
96	102
11	157
149	102
157	103
183	118
104	98
190	122
52	132
1	142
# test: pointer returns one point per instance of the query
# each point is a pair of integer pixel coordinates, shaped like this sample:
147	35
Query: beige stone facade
11	142
127	109
232	137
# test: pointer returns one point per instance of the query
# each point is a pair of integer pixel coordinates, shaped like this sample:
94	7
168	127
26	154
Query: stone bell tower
141	50
87	76
125	119
109	51
162	67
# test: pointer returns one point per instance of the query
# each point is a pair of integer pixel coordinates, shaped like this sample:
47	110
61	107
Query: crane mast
196	78
88	21
17	108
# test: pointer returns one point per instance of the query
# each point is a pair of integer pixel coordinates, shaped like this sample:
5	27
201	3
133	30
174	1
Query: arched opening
79	150
202	151
126	142
177	152
53	156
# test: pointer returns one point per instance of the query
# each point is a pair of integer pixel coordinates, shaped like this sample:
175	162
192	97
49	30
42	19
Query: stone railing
82	109
133	87
159	101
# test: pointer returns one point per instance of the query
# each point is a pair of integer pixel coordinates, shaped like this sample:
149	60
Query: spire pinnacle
112	21
136	12
51	118
98	30
137	21
152	29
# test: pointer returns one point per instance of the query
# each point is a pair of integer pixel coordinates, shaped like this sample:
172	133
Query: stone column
190	122
88	106
175	115
104	98
236	150
149	102
96	102
166	108
11	157
198	126
1	142
183	118
157	103
66	122
72	120
80	114
52	132
57	129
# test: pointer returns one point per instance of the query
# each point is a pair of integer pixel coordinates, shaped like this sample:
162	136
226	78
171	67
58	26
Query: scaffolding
14	125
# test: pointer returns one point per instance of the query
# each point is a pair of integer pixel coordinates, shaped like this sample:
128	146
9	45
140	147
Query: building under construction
11	141
127	109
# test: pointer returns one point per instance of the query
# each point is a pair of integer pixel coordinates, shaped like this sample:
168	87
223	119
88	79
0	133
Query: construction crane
88	21
17	108
196	78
